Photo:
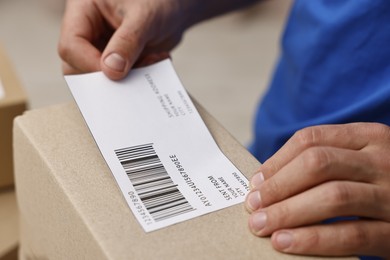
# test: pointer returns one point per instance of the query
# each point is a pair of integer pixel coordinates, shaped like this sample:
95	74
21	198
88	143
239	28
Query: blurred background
225	63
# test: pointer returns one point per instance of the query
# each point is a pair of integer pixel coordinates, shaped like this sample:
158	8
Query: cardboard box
8	225
12	103
72	208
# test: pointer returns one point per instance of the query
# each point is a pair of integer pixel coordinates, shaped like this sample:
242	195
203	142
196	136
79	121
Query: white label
2	92
162	155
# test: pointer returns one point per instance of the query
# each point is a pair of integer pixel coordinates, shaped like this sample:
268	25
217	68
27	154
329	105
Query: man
334	69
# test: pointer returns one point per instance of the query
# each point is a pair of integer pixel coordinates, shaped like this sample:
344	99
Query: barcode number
152	183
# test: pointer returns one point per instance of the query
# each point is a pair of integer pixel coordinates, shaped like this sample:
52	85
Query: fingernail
258	221
253	201
284	240
257	180
115	62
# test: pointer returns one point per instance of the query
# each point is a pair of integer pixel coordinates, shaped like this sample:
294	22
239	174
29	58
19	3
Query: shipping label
158	148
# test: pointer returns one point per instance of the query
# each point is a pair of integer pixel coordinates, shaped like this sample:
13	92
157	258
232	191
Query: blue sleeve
334	68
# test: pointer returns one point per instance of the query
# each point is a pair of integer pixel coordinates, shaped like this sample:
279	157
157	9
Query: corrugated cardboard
71	207
8	225
11	105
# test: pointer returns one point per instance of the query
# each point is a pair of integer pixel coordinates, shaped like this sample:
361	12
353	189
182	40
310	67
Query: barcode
152	183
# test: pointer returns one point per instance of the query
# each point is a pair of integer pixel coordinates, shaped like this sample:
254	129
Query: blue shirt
334	68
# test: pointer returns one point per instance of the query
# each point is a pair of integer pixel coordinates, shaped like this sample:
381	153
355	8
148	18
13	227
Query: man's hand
112	35
320	173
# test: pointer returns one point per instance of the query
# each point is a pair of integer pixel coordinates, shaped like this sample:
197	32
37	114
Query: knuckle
376	130
311	240
308	137
271	167
63	50
270	190
316	159
278	217
136	34
382	130
339	195
128	37
67	71
355	237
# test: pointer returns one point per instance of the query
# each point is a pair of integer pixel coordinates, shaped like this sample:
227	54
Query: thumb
123	50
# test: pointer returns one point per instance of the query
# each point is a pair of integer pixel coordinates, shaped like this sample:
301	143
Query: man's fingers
312	167
362	237
83	56
353	136
328	200
76	44
125	46
69	70
122	52
111	36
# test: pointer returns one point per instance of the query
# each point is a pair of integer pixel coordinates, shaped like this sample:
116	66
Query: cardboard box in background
8	225
12	103
72	208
